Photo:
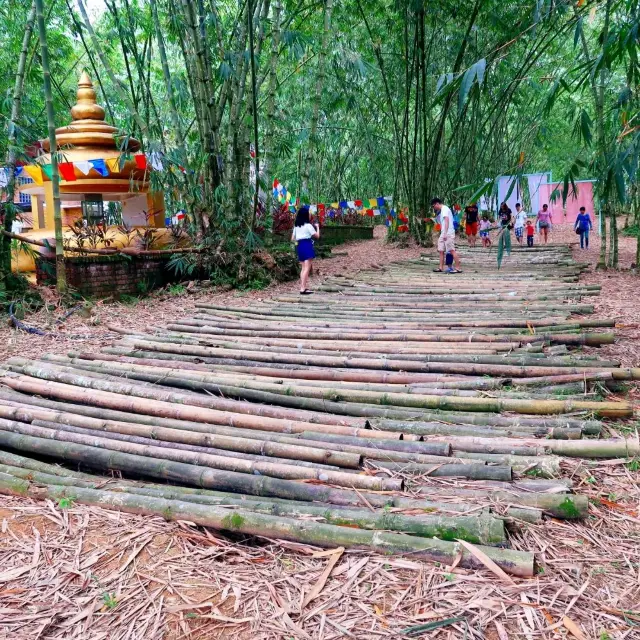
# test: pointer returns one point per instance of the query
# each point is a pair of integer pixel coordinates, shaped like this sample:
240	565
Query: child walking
530	233
485	225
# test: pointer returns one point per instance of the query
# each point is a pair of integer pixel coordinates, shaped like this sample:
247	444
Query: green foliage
66	502
109	600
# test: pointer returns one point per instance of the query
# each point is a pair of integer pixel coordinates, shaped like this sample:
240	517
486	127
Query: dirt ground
87	573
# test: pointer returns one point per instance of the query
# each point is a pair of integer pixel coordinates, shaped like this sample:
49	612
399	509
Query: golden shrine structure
104	169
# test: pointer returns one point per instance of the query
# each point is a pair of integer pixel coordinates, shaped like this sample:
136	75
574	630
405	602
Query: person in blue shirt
583	226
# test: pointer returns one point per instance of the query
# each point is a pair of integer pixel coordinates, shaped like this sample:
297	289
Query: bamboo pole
238	465
515	562
478	529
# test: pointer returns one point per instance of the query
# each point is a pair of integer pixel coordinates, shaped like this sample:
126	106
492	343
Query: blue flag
100	166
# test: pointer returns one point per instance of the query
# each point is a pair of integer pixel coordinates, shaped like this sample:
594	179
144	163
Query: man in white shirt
520	222
446	241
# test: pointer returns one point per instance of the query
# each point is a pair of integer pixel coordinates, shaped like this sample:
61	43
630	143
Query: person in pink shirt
544	222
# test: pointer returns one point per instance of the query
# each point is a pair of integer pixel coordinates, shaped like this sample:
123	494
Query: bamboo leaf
430	626
578	32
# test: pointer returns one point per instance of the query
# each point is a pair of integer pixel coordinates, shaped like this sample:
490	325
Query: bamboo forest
319	319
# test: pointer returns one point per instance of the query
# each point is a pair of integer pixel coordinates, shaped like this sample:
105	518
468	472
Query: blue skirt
305	250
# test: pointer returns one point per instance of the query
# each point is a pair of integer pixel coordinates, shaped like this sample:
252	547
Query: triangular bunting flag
47	169
100	166
4	177
113	165
34	171
67	171
84	166
155	159
141	160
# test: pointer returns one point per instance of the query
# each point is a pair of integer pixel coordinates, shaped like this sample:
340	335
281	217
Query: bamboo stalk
540	407
480	529
238	465
516	562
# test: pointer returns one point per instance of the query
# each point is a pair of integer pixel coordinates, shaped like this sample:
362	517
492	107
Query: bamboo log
564	505
115	435
515	562
238	465
540	407
147	401
470	471
204	438
481	529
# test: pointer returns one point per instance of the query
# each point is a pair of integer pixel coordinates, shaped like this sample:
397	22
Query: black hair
583	209
545	205
302	217
518	204
436	201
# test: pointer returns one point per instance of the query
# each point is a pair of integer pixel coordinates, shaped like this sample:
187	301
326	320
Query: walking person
530	233
446	241
544	222
485	226
471	223
519	223
582	226
504	215
303	234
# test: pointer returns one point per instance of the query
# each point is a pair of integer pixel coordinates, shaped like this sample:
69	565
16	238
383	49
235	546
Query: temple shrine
99	165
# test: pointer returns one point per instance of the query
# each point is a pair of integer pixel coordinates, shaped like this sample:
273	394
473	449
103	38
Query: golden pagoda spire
88	130
86	108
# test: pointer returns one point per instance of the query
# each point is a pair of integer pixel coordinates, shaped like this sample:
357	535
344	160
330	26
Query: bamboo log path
395	409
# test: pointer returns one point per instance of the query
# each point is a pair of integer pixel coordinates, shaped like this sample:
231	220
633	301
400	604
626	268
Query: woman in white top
303	234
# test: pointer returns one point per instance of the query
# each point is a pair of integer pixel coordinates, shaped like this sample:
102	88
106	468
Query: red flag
321	209
358	203
141	160
67	171
370	212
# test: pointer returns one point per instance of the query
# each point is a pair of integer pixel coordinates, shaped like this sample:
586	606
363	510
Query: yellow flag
373	202
35	171
288	196
114	165
334	205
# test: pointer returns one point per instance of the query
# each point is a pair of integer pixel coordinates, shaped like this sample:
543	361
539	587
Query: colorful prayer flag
35	172
83	165
155	159
141	160
351	204
67	171
100	166
47	169
334	205
369	212
113	164
358	203
321	209
343	204
380	201
373	202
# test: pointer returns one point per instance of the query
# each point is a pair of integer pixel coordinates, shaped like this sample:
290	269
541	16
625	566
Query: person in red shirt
530	233
471	223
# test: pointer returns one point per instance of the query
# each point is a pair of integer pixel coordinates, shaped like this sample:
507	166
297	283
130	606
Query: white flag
84	165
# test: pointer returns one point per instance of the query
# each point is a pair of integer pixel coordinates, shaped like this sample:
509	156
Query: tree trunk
61	277
12	142
317	101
